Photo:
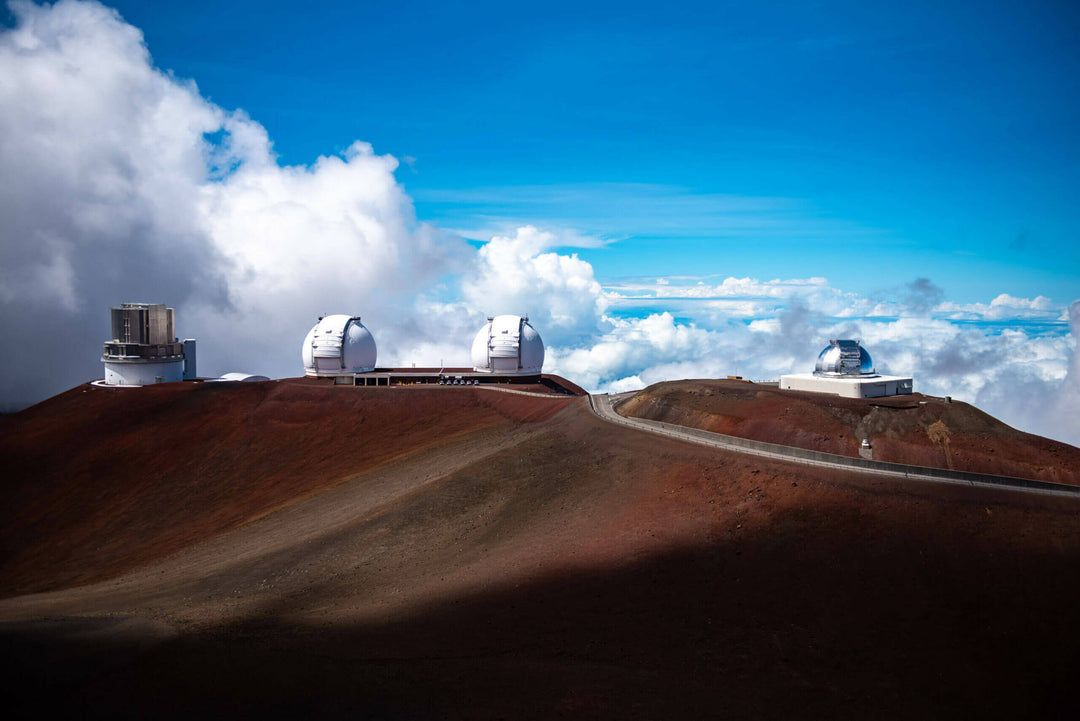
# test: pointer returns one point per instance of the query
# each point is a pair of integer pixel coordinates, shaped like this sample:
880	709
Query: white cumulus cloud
517	274
111	190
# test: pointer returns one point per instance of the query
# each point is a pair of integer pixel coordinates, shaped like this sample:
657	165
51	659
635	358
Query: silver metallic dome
844	358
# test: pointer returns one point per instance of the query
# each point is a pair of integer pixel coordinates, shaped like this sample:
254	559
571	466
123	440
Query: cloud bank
120	182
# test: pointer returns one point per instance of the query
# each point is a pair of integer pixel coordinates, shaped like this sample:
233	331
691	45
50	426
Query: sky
675	191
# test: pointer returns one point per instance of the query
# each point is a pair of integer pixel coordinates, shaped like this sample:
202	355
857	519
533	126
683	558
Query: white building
508	345
144	349
845	369
338	344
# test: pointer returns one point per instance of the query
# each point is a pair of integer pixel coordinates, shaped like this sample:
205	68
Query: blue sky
670	191
943	138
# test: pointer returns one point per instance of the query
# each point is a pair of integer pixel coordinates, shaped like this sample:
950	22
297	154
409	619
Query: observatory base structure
851	387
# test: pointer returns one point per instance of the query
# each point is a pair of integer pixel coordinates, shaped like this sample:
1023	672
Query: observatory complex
845	368
507	349
144	349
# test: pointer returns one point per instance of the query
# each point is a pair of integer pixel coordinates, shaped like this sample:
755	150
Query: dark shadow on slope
874	622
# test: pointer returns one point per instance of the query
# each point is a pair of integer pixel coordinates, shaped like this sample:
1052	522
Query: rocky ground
913	429
296	549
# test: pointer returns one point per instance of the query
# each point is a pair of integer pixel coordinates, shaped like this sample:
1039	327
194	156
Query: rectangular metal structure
146	323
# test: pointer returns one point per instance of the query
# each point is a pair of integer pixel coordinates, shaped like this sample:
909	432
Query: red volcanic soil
465	553
163	467
912	429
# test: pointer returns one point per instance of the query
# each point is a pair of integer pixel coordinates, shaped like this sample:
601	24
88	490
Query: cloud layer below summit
120	182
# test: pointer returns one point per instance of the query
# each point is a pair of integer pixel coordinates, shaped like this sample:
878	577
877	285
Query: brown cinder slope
551	565
101	480
913	429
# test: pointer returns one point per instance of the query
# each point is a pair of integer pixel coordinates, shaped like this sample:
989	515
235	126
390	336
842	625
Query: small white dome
507	344
338	344
243	377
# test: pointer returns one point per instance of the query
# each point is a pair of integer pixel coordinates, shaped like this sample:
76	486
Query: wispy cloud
919	297
619	210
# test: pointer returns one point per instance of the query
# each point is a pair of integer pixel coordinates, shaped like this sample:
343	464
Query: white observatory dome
508	345
844	358
338	344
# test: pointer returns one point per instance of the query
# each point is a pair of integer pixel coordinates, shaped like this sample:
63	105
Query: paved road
602	406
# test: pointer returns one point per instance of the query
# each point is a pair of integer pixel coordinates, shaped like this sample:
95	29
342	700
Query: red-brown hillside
305	550
100	480
914	429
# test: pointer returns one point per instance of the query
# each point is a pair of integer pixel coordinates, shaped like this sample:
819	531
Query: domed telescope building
845	368
337	345
508	345
506	350
144	349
